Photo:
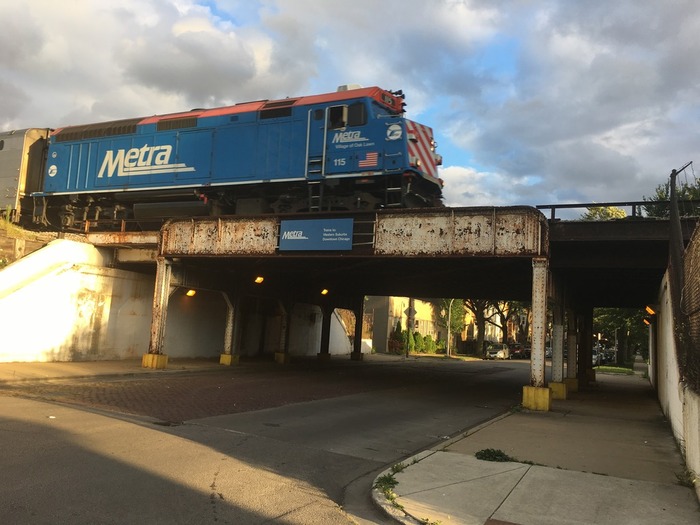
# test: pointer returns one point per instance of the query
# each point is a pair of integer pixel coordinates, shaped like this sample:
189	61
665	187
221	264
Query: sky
531	101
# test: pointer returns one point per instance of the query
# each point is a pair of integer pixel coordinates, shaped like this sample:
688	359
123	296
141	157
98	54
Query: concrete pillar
155	358
359	311
537	396
229	357
324	352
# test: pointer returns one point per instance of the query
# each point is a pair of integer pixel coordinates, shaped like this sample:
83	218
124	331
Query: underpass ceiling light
191	293
324	291
650	310
259	279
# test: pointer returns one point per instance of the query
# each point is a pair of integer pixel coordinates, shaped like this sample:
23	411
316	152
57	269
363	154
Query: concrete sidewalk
604	456
19	371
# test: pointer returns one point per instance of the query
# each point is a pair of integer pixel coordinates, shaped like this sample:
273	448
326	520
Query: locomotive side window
337	117
357	114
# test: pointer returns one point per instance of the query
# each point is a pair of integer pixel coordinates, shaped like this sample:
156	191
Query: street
256	443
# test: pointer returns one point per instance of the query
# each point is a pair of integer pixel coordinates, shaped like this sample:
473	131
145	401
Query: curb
395	511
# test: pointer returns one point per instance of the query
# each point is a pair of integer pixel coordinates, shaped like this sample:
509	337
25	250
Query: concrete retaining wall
64	303
679	404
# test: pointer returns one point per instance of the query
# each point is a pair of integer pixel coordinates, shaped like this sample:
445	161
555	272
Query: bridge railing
636	208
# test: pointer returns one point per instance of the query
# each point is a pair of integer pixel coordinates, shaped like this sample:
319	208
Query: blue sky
532	101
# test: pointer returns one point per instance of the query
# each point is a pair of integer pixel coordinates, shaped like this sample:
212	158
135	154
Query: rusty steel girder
219	237
487	232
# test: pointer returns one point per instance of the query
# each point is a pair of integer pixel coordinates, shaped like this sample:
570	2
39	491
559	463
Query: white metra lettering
348	136
163	154
139	161
293	235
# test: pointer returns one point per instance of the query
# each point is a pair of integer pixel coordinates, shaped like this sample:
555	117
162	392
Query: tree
603	213
614	324
684	191
449	314
478	308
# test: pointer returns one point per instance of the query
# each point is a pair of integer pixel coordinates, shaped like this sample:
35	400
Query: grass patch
615	370
493	454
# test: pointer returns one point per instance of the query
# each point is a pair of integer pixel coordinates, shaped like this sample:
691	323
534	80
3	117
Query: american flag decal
370	159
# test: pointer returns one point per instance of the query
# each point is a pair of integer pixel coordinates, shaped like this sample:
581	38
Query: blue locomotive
348	150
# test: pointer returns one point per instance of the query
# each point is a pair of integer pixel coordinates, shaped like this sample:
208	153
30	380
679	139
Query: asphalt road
257	443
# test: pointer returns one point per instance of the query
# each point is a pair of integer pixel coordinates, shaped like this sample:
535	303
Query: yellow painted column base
571	384
356	356
558	390
537	398
157	361
323	357
228	359
282	358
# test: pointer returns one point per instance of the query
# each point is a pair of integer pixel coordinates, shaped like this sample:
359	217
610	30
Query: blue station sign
316	234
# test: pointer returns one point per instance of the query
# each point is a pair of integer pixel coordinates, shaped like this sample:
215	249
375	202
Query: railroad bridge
334	260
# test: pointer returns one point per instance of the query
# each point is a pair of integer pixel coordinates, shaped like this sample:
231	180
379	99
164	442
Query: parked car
497	351
517	351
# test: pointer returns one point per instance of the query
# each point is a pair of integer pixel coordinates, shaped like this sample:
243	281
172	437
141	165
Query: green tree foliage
409	341
395	343
451	310
603	213
685	192
615	323
478	308
418	338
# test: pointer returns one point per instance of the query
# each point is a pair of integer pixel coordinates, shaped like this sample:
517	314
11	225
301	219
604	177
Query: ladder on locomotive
315	169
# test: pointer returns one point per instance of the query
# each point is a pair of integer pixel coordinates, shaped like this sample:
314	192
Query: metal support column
557	385
586	373
571	345
327	312
232	314
539	321
155	358
283	356
359	311
557	343
537	396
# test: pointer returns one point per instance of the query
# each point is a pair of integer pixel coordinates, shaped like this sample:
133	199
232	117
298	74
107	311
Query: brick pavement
175	398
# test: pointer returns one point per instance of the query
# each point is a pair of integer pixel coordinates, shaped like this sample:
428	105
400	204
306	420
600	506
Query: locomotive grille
94	131
177	123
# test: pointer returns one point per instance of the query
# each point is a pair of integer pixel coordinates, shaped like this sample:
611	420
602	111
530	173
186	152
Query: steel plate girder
466	232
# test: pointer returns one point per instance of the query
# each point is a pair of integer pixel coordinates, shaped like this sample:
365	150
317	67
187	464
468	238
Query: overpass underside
334	260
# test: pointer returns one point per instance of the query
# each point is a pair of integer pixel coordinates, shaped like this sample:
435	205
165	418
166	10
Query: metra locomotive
348	150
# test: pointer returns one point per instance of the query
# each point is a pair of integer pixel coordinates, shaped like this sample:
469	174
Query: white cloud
533	101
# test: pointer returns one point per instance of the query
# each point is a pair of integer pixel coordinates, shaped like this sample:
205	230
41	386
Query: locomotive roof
119	127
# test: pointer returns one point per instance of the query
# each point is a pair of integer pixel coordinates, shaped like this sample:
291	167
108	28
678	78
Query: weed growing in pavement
493	454
428	521
399	467
386	484
687	478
